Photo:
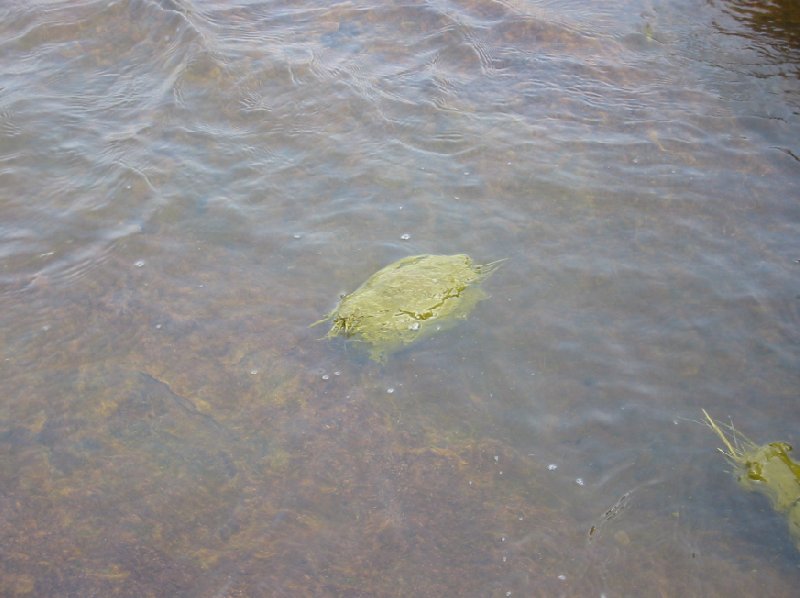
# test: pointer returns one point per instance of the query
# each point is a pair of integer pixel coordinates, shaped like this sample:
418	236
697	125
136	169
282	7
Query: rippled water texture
186	185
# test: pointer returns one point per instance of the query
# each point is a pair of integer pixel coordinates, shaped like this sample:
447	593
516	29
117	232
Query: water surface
187	185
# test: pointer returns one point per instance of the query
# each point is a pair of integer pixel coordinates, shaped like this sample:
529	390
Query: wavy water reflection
778	19
188	185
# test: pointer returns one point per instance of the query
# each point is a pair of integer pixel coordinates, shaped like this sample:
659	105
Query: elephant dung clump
408	300
767	469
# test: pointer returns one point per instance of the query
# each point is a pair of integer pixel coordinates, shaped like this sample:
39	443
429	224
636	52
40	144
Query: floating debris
766	469
408	300
611	513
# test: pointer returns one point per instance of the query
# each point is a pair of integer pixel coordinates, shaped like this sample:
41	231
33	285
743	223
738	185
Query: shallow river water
186	185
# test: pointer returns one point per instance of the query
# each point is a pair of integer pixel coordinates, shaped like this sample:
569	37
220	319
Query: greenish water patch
767	469
408	300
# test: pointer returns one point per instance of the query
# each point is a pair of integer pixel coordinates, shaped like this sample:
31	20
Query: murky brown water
186	185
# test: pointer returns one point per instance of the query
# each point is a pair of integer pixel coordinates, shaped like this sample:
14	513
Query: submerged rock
767	469
409	299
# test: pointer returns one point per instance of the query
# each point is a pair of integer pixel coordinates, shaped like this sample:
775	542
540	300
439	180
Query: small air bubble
390	390
579	481
562	577
297	236
138	263
158	326
552	467
337	373
405	236
497	458
325	376
253	372
128	186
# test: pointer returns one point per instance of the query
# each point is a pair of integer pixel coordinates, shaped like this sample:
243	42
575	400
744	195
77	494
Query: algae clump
767	469
409	299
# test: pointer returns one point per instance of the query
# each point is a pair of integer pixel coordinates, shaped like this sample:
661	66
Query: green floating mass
767	469
408	300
